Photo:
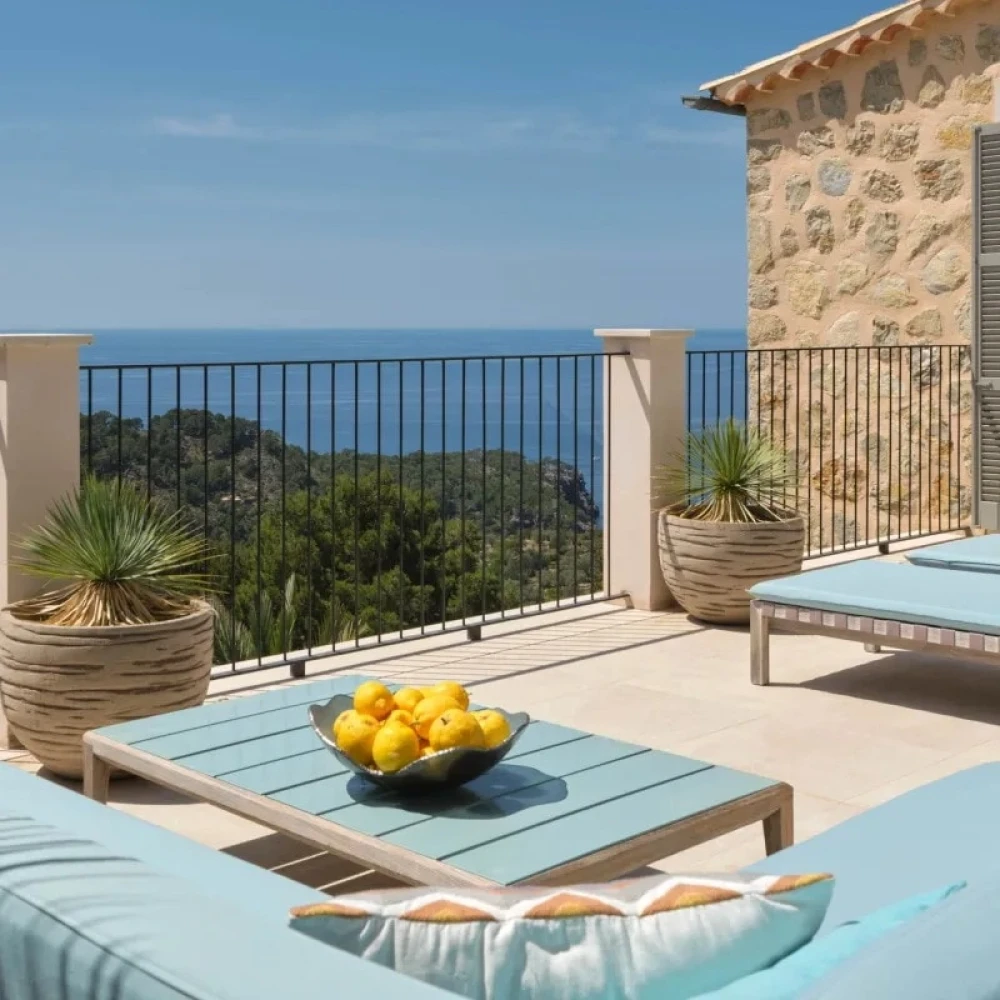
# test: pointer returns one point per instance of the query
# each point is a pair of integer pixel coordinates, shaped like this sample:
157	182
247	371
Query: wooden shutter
986	328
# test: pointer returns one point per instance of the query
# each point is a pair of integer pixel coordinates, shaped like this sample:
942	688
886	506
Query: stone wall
859	184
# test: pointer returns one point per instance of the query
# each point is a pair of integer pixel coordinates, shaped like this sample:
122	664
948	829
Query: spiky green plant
115	557
728	472
269	630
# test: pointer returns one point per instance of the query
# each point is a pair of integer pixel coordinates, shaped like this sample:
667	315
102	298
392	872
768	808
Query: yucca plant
116	559
729	472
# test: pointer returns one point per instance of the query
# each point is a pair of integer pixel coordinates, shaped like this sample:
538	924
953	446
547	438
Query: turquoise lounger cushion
942	833
974	554
812	963
81	922
965	600
206	870
947	953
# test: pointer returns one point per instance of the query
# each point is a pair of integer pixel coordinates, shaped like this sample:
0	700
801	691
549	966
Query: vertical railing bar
958	451
334	608
402	505
857	415
178	388
576	479
606	546
260	435
309	531
120	419
939	429
503	471
204	444
423	499
90	421
878	448
809	417
461	578
232	506
378	498
592	513
284	506
520	488
357	507
482	572
557	479
541	480
444	504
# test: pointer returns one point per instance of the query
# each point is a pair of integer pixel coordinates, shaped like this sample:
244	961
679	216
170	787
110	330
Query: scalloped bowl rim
518	721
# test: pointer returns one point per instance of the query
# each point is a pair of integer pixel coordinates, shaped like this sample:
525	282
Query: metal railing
370	500
879	435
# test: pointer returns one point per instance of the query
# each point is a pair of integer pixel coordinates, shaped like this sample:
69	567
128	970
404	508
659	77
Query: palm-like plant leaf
120	558
729	472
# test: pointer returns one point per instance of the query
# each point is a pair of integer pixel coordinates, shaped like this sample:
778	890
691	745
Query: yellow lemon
394	747
356	736
456	728
453	690
374	699
427	751
494	725
341	719
400	716
428	710
407	698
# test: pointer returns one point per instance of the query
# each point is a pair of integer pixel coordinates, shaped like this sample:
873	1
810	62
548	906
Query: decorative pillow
667	937
820	957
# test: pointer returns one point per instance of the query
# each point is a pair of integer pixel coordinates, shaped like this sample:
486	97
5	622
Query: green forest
311	548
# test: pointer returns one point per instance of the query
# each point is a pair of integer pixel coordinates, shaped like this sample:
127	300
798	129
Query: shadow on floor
964	689
316	869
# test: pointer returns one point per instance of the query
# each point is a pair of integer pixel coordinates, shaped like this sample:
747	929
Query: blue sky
376	162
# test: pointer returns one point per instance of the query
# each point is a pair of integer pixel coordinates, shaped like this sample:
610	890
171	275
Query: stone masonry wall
859	185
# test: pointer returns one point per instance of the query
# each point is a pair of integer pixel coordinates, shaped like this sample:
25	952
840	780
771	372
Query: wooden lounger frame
873	632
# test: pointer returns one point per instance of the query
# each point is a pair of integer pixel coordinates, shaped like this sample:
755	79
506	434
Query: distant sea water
288	381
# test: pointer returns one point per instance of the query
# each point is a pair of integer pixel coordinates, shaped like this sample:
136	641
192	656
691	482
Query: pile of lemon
388	731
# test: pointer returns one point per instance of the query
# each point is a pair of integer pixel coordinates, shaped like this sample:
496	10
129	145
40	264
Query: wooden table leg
779	827
96	775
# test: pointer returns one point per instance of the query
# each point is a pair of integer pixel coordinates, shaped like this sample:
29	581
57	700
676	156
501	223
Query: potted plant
729	526
123	634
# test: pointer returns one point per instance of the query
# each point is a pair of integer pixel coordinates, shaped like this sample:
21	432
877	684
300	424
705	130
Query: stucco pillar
645	422
39	445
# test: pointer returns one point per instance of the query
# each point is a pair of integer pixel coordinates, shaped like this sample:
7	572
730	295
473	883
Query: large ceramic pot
710	565
57	683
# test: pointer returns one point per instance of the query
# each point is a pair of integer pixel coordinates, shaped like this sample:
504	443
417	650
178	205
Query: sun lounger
981	555
950	612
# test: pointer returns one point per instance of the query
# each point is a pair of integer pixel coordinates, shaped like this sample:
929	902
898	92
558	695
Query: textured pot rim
794	520
202	609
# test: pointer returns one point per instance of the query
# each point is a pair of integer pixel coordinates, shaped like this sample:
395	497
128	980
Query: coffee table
564	806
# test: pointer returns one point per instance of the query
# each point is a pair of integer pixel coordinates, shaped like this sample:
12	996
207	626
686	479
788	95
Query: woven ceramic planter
710	565
57	683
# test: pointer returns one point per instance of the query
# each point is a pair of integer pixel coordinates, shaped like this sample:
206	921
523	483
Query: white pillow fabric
668	937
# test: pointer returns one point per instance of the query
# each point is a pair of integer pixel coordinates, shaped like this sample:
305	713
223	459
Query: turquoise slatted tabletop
564	806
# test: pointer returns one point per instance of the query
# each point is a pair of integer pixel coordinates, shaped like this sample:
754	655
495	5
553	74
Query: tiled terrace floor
845	728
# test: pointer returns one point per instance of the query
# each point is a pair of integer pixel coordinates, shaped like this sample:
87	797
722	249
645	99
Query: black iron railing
356	501
879	435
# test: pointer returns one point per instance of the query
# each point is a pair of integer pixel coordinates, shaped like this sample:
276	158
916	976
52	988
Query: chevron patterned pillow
668	936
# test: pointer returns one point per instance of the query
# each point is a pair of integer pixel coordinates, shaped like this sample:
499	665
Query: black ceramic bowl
447	769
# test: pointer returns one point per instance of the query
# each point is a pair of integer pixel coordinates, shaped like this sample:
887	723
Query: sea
536	392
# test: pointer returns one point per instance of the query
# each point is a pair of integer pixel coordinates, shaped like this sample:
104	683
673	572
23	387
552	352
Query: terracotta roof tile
822	53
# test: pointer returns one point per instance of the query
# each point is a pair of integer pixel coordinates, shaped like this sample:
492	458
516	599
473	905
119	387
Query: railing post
645	422
39	446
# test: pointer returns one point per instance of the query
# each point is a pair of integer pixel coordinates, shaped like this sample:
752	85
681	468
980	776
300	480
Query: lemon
428	710
356	736
394	747
407	698
456	728
400	716
427	751
374	699
494	725
341	719
453	690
